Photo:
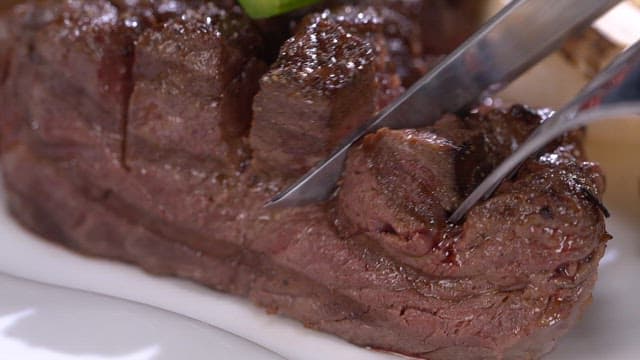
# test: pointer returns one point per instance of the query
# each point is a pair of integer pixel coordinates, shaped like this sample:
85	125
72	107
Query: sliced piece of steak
329	79
403	38
437	27
444	24
72	62
68	83
402	28
399	189
7	39
400	186
195	77
395	32
418	32
394	39
6	46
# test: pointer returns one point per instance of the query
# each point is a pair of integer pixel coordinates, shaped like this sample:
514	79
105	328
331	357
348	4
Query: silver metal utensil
614	93
511	42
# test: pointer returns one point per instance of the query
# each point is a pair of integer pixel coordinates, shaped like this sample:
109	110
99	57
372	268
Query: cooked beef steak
329	79
195	76
94	157
443	24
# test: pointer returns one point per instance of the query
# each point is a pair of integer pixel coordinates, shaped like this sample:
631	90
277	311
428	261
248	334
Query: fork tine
614	92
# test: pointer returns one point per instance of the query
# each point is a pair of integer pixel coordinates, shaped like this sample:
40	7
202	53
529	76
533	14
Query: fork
613	93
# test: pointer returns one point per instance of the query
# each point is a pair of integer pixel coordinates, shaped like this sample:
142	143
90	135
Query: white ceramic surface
50	323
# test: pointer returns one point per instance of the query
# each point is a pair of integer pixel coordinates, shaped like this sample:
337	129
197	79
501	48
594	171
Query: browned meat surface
439	26
425	29
6	52
412	178
128	133
445	24
396	40
329	79
195	76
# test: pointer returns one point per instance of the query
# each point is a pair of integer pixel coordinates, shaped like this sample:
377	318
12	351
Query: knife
516	38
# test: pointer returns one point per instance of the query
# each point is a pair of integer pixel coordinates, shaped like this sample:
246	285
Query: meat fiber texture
130	131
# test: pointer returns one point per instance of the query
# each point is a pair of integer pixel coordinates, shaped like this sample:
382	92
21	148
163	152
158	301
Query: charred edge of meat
589	195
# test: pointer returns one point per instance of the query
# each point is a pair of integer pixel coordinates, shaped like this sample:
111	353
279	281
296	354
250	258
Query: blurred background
7	3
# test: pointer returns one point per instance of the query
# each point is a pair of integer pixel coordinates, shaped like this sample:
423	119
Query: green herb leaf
260	9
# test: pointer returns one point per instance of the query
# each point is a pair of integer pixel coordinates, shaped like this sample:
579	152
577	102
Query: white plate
50	323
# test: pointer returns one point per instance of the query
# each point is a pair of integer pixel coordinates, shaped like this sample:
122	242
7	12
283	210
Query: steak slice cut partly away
321	88
443	24
195	76
330	78
86	164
